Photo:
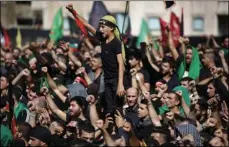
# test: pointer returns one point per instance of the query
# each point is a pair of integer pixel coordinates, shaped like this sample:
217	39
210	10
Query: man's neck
110	37
167	77
98	72
82	117
175	110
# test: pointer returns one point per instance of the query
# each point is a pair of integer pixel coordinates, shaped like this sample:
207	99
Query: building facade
200	17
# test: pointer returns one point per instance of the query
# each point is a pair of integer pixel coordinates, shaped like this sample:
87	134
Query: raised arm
161	51
92	110
62	66
184	106
152	113
154	66
215	44
71	56
55	109
85	23
171	45
181	40
222	57
103	126
53	85
24	72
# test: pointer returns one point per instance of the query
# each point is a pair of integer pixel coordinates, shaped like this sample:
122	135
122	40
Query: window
198	24
38	17
24	2
154	24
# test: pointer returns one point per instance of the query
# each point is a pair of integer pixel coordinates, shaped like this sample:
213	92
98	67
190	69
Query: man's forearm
16	79
120	74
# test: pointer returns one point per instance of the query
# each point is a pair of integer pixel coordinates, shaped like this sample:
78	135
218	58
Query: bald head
132	96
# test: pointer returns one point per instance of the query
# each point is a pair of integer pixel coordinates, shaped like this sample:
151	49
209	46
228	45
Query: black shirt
146	75
173	82
109	56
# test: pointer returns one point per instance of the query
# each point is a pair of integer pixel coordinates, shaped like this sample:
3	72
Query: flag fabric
164	36
57	26
169	4
80	24
98	11
5	39
18	38
144	33
175	28
73	27
182	22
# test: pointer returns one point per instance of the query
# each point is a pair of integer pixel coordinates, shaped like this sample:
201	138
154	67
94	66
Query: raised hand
70	8
119	119
91	99
44	90
147	96
133	72
25	72
211	122
44	69
221	53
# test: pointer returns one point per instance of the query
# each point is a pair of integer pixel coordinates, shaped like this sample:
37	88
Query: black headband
107	23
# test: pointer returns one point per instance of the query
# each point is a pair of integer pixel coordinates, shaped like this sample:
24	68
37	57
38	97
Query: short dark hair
136	53
186	79
144	101
87	127
78	100
169	60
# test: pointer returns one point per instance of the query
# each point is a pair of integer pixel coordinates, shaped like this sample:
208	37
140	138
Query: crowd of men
102	95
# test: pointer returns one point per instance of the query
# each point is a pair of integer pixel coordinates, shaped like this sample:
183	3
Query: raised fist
25	72
91	99
69	7
44	69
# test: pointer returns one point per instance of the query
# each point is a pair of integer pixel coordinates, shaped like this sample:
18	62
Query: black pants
112	101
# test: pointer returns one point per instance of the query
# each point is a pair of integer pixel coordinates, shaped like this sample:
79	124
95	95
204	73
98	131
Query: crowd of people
106	95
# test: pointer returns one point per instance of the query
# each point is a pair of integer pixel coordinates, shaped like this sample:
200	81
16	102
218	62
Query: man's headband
107	23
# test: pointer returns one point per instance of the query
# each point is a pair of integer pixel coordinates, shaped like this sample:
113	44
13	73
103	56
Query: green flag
145	35
57	26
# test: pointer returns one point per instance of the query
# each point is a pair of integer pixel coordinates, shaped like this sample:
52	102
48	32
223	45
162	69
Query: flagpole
125	14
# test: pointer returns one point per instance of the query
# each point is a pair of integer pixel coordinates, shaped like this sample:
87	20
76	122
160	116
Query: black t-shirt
109	56
146	75
173	82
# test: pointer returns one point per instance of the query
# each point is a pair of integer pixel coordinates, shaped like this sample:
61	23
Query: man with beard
76	109
167	70
113	56
9	68
188	63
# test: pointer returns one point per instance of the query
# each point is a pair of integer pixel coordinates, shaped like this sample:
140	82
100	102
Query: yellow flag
18	38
